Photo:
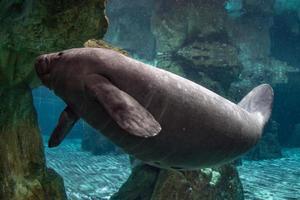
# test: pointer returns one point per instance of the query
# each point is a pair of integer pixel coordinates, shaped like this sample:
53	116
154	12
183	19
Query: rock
30	28
149	183
140	184
167	62
251	32
23	175
258	7
287	110
174	22
294	140
207	184
129	27
285	32
54	185
192	36
217	60
268	147
210	54
102	44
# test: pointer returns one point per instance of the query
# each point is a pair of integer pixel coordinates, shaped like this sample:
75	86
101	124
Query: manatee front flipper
124	109
66	121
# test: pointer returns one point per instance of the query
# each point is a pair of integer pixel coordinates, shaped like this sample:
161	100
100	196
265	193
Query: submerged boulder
150	183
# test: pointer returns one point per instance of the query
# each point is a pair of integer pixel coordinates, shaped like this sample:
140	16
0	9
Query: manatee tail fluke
259	101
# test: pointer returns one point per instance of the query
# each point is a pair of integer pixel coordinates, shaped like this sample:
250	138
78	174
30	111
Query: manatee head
45	65
53	68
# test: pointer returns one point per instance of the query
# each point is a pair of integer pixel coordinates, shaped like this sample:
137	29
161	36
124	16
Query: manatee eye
60	53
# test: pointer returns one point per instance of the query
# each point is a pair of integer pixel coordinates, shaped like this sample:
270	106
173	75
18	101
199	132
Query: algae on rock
192	35
30	28
150	183
23	172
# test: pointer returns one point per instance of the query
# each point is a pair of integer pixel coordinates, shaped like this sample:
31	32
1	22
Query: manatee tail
259	102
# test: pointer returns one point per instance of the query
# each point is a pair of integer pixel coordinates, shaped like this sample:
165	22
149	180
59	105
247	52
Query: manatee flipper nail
129	114
66	121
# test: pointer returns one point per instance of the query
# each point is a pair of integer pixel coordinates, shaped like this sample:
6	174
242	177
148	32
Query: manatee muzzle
43	69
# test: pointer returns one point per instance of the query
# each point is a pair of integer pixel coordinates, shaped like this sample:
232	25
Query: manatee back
259	101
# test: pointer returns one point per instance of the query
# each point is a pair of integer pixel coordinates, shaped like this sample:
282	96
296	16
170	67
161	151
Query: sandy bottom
89	177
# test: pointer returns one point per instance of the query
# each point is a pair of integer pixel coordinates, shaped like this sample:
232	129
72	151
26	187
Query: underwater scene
150	100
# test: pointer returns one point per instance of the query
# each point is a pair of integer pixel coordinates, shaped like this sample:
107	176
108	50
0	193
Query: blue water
97	177
89	177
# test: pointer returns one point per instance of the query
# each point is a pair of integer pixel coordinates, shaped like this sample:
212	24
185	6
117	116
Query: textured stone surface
205	184
29	28
93	43
140	184
174	22
129	27
192	41
215	59
268	147
23	174
295	138
250	32
288	111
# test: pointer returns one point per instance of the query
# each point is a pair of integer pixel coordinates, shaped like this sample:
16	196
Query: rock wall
129	27
192	40
30	28
23	174
285	32
250	32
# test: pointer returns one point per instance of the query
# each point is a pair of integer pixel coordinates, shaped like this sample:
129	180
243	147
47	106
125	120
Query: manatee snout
42	65
43	69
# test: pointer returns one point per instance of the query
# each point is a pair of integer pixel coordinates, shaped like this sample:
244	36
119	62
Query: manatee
156	116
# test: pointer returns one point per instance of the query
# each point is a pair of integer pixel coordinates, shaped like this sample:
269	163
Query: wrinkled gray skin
198	128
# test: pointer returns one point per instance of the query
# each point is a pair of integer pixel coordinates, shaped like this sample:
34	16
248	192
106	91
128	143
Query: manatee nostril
46	61
42	65
37	65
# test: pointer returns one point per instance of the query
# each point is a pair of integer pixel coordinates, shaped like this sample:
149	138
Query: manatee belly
199	128
191	137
